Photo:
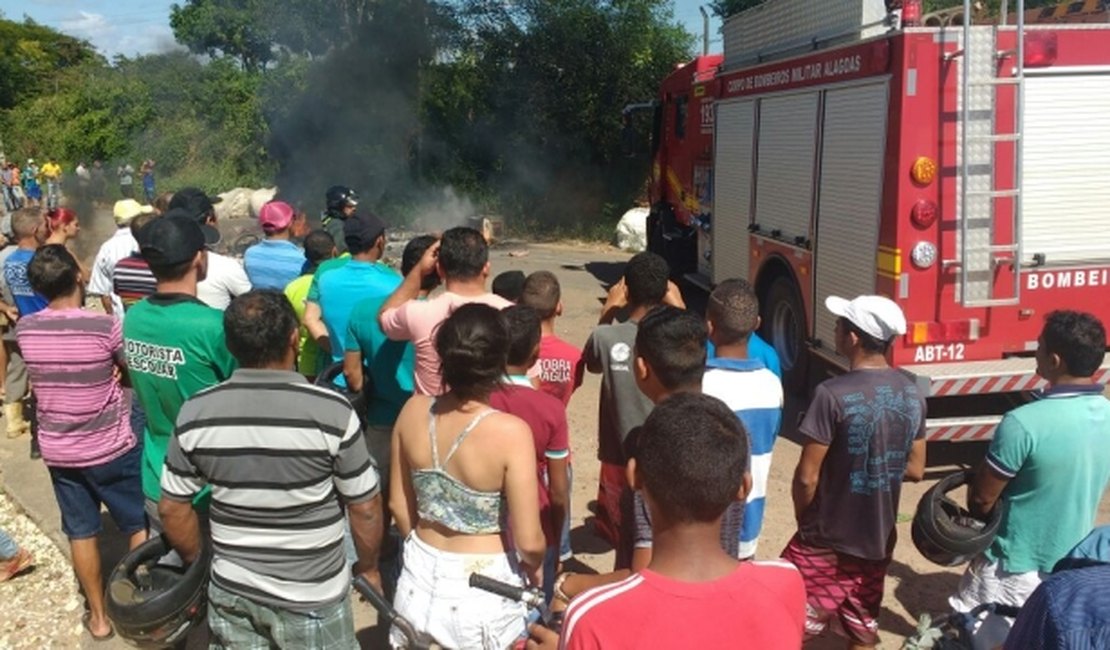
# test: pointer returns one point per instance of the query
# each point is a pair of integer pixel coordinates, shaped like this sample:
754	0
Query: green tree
515	104
529	106
225	27
94	113
254	32
32	55
725	8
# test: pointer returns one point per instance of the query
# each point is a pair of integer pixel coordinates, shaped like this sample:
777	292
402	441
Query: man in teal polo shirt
1048	465
388	365
361	278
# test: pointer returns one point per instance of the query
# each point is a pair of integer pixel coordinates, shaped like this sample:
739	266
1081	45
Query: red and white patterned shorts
841	590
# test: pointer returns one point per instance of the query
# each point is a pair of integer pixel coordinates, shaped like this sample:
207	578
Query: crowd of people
32	185
439	446
35	185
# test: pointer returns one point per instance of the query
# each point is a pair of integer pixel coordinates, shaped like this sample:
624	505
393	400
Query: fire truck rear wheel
784	327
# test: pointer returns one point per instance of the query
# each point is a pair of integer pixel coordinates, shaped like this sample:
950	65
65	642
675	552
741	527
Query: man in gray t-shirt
622	406
126	175
609	352
6	186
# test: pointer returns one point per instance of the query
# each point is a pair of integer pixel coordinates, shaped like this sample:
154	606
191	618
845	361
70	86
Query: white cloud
85	24
128	37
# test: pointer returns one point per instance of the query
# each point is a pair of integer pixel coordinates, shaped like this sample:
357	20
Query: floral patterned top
445	500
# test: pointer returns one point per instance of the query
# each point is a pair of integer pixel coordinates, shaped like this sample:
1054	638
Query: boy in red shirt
690	464
559	368
547	418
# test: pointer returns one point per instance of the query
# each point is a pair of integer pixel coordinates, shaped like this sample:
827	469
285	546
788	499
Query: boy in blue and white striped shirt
748	387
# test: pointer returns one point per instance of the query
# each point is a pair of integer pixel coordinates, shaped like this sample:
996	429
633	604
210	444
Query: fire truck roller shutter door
852	151
1067	137
784	174
733	186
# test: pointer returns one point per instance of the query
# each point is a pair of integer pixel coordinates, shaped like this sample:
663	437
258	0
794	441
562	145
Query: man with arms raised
461	259
622	406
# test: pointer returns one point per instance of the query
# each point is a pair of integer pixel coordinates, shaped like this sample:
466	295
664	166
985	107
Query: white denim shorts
434	595
987	582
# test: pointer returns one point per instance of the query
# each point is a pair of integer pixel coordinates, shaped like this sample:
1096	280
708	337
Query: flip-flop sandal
86	619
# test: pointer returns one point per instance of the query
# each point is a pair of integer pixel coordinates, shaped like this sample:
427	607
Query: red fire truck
836	149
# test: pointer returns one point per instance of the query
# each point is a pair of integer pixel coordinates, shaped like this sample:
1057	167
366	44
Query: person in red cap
276	261
864	434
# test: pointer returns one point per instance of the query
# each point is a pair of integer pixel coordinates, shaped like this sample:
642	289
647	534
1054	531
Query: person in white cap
119	245
864	434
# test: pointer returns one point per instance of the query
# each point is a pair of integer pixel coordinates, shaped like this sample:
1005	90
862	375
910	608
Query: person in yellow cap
118	246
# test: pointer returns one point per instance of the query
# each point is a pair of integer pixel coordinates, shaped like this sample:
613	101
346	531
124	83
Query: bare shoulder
506	426
415	410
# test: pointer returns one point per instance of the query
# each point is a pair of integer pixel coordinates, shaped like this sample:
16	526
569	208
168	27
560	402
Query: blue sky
114	26
142	26
687	12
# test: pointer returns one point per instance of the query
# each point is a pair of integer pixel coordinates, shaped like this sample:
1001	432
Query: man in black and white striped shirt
283	459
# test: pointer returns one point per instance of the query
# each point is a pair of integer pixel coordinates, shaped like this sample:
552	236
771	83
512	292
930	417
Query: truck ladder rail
994	194
1005	137
1000	81
980	83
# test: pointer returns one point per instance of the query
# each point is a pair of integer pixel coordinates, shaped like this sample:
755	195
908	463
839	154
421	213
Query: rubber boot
13	414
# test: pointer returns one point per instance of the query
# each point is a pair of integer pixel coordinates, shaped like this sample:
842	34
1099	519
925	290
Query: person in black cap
196	204
340	203
334	294
509	285
175	344
226	278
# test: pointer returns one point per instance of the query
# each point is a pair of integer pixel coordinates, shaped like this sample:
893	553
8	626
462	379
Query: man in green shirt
1048	465
319	248
174	343
313	316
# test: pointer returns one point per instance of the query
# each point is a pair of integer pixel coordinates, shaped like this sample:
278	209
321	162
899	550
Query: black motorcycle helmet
359	401
944	531
153	605
339	197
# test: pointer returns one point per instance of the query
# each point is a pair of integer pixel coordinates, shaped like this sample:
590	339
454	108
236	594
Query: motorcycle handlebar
531	597
367	591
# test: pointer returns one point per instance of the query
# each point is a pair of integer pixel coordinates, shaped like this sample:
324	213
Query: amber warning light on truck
924	170
933	332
